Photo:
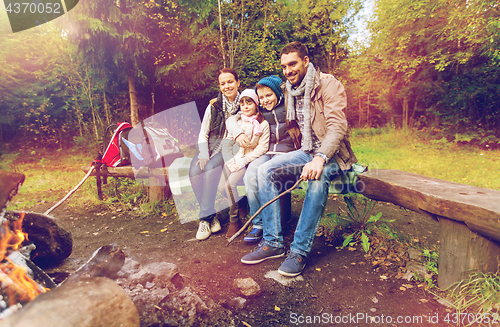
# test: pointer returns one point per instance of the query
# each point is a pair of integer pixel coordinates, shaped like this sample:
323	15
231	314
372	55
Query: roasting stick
70	192
262	208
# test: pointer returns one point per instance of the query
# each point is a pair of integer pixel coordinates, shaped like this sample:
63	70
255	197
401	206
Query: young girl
256	129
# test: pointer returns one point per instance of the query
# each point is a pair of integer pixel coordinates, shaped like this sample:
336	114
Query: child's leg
233	181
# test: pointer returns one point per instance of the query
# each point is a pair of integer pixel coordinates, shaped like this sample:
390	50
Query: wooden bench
157	193
158	188
469	218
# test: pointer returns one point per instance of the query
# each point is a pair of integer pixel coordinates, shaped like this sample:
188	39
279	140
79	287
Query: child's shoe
255	235
234	227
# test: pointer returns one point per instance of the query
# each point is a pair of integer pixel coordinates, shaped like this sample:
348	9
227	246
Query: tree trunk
106	109
405	113
360	114
368	123
134	113
221	37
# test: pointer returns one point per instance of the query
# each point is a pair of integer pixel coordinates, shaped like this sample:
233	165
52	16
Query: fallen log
89	302
53	243
10	183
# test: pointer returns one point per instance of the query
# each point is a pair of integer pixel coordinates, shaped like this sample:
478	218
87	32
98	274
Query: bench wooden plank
478	208
130	172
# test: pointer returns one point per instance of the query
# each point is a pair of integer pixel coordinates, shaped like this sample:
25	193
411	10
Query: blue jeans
204	183
279	174
252	187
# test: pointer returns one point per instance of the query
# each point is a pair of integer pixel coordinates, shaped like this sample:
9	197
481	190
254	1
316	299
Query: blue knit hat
273	82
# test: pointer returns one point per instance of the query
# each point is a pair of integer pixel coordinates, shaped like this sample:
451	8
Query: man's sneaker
293	265
215	226
203	230
254	236
263	252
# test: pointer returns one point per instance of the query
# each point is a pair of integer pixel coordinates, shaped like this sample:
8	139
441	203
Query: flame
20	287
12	239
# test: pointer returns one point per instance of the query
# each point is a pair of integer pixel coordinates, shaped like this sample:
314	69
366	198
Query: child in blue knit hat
273	109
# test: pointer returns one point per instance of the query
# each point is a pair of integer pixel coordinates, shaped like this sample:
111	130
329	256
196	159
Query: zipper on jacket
277	130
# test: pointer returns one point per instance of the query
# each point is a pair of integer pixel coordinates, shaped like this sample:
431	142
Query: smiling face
267	97
248	107
229	85
294	68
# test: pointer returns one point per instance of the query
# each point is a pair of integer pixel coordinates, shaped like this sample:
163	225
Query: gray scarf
305	88
229	107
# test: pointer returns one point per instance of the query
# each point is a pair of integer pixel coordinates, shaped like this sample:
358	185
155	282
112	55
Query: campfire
17	284
108	290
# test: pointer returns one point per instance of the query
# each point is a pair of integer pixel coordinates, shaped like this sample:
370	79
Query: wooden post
155	191
462	251
98	181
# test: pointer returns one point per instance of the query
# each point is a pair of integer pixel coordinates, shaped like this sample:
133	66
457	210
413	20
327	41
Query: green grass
478	295
410	151
50	174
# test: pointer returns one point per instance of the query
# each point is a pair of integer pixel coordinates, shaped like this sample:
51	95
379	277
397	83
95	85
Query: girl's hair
260	117
230	71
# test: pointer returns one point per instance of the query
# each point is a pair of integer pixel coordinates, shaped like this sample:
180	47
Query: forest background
432	65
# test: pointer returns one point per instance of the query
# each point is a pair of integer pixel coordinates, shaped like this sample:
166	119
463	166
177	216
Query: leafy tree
112	36
324	26
34	100
423	51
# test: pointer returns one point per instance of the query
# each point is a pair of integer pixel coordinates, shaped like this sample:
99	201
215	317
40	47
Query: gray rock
142	277
414	254
129	267
286	281
247	287
416	268
237	303
162	270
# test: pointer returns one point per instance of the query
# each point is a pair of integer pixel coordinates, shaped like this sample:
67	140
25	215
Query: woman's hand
243	140
201	163
234	167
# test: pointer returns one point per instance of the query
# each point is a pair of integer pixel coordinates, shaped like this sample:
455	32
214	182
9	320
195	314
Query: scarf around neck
305	88
257	129
230	108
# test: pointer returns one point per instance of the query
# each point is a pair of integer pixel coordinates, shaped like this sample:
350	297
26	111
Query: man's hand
313	169
243	140
201	163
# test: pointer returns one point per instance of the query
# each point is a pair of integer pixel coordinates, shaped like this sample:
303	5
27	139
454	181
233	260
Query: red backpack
111	156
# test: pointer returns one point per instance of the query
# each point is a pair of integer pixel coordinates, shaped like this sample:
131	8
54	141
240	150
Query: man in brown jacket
317	123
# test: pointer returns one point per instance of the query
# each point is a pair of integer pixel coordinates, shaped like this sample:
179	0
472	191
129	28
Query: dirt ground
339	287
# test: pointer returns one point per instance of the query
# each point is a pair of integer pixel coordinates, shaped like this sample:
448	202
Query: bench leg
462	251
158	189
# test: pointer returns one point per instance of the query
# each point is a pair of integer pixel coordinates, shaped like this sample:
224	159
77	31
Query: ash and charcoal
163	299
